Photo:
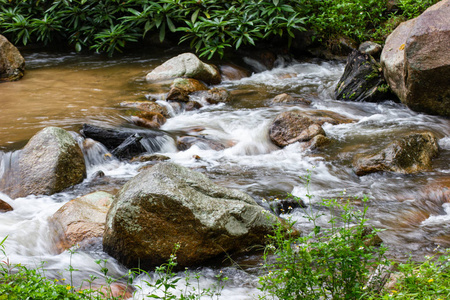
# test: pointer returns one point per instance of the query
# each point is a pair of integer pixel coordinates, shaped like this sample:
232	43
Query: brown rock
216	95
189	85
192	105
148	106
149	119
12	64
318	142
416	61
410	154
293	126
325	116
4	206
233	72
186	142
286	98
177	94
80	220
150	157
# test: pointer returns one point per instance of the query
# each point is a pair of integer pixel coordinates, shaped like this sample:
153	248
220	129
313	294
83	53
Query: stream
67	90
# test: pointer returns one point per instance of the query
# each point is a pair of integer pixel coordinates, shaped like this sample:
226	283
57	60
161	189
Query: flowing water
67	90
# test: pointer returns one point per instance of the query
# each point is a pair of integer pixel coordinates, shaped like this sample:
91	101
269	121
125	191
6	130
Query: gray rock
416	61
185	65
370	48
49	163
168	204
410	154
12	64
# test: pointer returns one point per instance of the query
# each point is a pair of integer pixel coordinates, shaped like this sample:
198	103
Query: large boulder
49	163
410	154
168	204
293	126
80	220
362	80
12	64
185	65
416	61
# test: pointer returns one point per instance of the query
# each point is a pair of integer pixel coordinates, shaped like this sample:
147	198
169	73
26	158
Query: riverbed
68	90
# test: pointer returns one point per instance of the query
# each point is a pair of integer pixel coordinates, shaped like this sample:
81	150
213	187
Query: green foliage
328	263
427	280
209	26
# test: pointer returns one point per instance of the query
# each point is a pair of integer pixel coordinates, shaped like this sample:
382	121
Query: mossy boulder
169	204
410	154
49	163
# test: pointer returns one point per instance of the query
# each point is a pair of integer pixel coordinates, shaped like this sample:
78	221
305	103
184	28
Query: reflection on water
67	90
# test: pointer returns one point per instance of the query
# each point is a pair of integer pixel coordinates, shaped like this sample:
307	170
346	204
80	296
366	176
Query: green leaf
78	47
195	15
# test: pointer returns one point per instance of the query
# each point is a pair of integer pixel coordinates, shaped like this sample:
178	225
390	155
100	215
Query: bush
330	263
209	26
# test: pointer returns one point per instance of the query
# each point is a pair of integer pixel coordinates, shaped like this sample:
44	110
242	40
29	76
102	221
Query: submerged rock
293	126
362	80
147	106
186	142
49	163
215	95
80	220
185	65
12	64
234	72
416	61
169	204
288	99
410	154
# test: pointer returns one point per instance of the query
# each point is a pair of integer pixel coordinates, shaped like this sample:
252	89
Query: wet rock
318	142
149	119
185	65
192	105
409	154
98	174
416	62
293	126
362	80
286	206
233	72
128	147
49	163
168	204
80	220
150	157
215	95
12	64
186	142
4	206
370	48
288	99
189	85
325	116
177	94
147	106
112	138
